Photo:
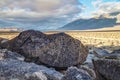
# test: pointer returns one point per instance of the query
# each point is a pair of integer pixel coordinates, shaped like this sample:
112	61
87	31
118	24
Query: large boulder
56	50
108	68
74	73
18	70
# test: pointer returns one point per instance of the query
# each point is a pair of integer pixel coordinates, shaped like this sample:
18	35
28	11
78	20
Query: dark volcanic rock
18	70
57	50
24	38
108	68
76	74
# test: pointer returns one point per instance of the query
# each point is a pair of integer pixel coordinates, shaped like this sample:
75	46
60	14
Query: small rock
100	53
74	73
90	71
4	54
36	76
88	61
2	40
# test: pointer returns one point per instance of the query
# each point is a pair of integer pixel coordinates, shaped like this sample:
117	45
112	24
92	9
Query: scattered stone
116	52
101	53
36	76
4	54
74	73
90	71
88	61
113	56
89	58
18	70
108	68
2	40
56	50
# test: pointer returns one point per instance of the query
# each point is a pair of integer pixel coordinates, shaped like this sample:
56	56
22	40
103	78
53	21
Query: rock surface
56	50
88	61
108	68
101	53
74	73
5	54
2	40
116	52
90	71
18	70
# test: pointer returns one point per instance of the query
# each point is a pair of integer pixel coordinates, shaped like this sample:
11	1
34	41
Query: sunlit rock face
56	50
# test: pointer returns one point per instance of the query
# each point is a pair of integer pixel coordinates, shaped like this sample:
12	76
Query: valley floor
109	40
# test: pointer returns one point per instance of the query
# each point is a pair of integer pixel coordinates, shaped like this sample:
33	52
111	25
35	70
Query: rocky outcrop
107	68
18	70
56	50
74	73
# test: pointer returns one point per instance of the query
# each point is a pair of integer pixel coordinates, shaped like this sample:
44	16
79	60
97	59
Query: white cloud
38	9
96	3
106	7
38	14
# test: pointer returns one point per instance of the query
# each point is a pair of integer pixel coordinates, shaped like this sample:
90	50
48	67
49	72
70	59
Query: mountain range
95	23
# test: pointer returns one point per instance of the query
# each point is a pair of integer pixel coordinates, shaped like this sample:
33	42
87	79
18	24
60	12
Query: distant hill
115	28
93	23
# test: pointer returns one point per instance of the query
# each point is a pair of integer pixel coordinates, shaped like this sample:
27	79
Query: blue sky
51	14
89	7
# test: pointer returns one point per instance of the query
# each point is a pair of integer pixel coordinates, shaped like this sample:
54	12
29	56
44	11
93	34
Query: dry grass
8	35
108	40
